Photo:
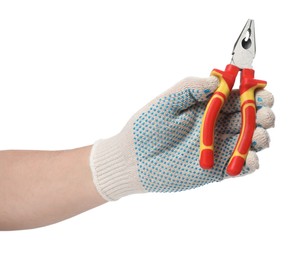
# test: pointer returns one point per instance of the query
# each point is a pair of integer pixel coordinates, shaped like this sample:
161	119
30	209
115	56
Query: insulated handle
226	83
248	110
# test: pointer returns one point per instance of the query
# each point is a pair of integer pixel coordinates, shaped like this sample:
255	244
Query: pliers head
244	48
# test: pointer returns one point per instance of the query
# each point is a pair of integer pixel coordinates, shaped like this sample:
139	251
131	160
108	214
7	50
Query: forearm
38	188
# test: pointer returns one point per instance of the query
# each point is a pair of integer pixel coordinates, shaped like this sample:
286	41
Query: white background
72	72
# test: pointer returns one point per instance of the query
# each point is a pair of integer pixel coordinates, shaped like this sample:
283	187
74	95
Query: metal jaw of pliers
242	57
244	49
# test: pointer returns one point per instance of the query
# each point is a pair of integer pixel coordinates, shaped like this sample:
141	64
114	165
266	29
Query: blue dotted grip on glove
166	139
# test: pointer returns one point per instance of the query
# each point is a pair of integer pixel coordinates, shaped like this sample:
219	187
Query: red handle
248	110
226	83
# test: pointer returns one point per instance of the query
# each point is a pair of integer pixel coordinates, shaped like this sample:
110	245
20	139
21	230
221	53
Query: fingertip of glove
264	98
265	117
261	139
252	161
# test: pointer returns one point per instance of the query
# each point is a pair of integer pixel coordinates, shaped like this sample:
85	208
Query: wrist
114	168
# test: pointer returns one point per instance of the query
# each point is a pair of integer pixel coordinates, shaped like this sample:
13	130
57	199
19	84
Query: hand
158	149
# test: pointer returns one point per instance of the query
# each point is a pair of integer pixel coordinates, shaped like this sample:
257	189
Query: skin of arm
39	188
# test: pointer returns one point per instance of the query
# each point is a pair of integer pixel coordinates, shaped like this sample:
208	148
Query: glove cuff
114	168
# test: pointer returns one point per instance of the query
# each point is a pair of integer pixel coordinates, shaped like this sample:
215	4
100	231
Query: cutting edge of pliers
242	57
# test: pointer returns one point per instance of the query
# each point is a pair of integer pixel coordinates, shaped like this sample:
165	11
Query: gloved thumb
189	91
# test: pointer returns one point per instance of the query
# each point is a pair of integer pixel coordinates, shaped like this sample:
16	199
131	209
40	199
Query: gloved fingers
265	117
263	98
252	162
261	139
251	165
190	91
230	123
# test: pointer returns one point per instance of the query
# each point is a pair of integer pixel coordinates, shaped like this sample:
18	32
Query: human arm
38	188
157	151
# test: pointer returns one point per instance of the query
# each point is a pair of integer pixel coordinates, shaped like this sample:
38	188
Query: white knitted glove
158	149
